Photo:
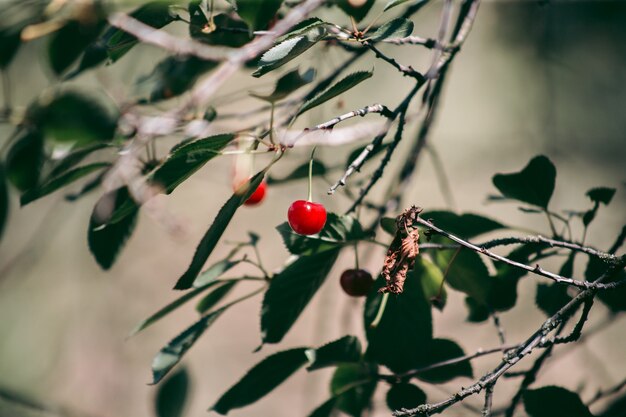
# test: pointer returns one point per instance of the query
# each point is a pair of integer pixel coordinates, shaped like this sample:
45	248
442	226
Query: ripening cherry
306	217
257	196
356	282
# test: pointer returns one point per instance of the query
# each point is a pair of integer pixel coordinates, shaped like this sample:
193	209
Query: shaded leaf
442	350
106	241
227	31
340	87
290	291
326	409
25	160
172	353
4	200
551	297
344	350
466	225
16	15
338	231
388	224
614	299
172	395
257	13
396	28
287	84
602	195
261	380
214	272
406	321
354	386
69	42
404	395
61	181
533	185
431	279
477	312
466	272
213	235
75	157
358	10
554	401
289	49
300	172
503	291
215	296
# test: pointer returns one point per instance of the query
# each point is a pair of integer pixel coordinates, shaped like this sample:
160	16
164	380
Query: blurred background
534	77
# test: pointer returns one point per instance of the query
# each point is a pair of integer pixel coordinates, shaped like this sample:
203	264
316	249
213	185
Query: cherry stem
381	310
310	199
356	254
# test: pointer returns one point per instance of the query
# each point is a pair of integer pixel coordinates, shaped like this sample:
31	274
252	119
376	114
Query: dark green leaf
554	401
354	386
172	353
213	235
355	153
406	321
551	297
86	188
73	158
187	159
261	380
388	224
602	195
300	172
173	76
466	225
16	15
533	185
302	27
344	350
227	31
289	49
358	11
503	291
615	408
340	87
69	42
404	395
477	312
25	159
214	272
172	395
4	200
443	350
326	409
431	278
396	28
287	84
107	240
466	272
257	13
614	299
291	290
61	181
338	231
215	296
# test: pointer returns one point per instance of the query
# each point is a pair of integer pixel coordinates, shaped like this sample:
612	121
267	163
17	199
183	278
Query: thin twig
486	412
605	393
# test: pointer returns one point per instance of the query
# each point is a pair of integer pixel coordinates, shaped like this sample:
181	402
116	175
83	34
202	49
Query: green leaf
173	76
503	291
551	297
614	299
206	280
227	32
602	195
4	200
291	290
406	321
302	27
114	43
340	87
76	117
326	409
16	15
106	241
172	353
215	296
287	84
354	386
257	13
70	41
443	350
289	49
74	158
187	159
404	395
533	185
213	235
344	350
300	172
388	224
431	278
172	395
261	380
466	272
554	401
396	28
358	11
466	225
338	231
477	312
61	181
25	160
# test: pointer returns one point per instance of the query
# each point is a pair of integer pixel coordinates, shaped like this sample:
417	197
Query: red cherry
356	282
306	217
257	196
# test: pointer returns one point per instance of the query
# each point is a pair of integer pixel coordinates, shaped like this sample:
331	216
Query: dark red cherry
356	282
306	217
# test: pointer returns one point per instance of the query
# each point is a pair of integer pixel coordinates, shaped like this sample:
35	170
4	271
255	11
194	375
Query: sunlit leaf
431	279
